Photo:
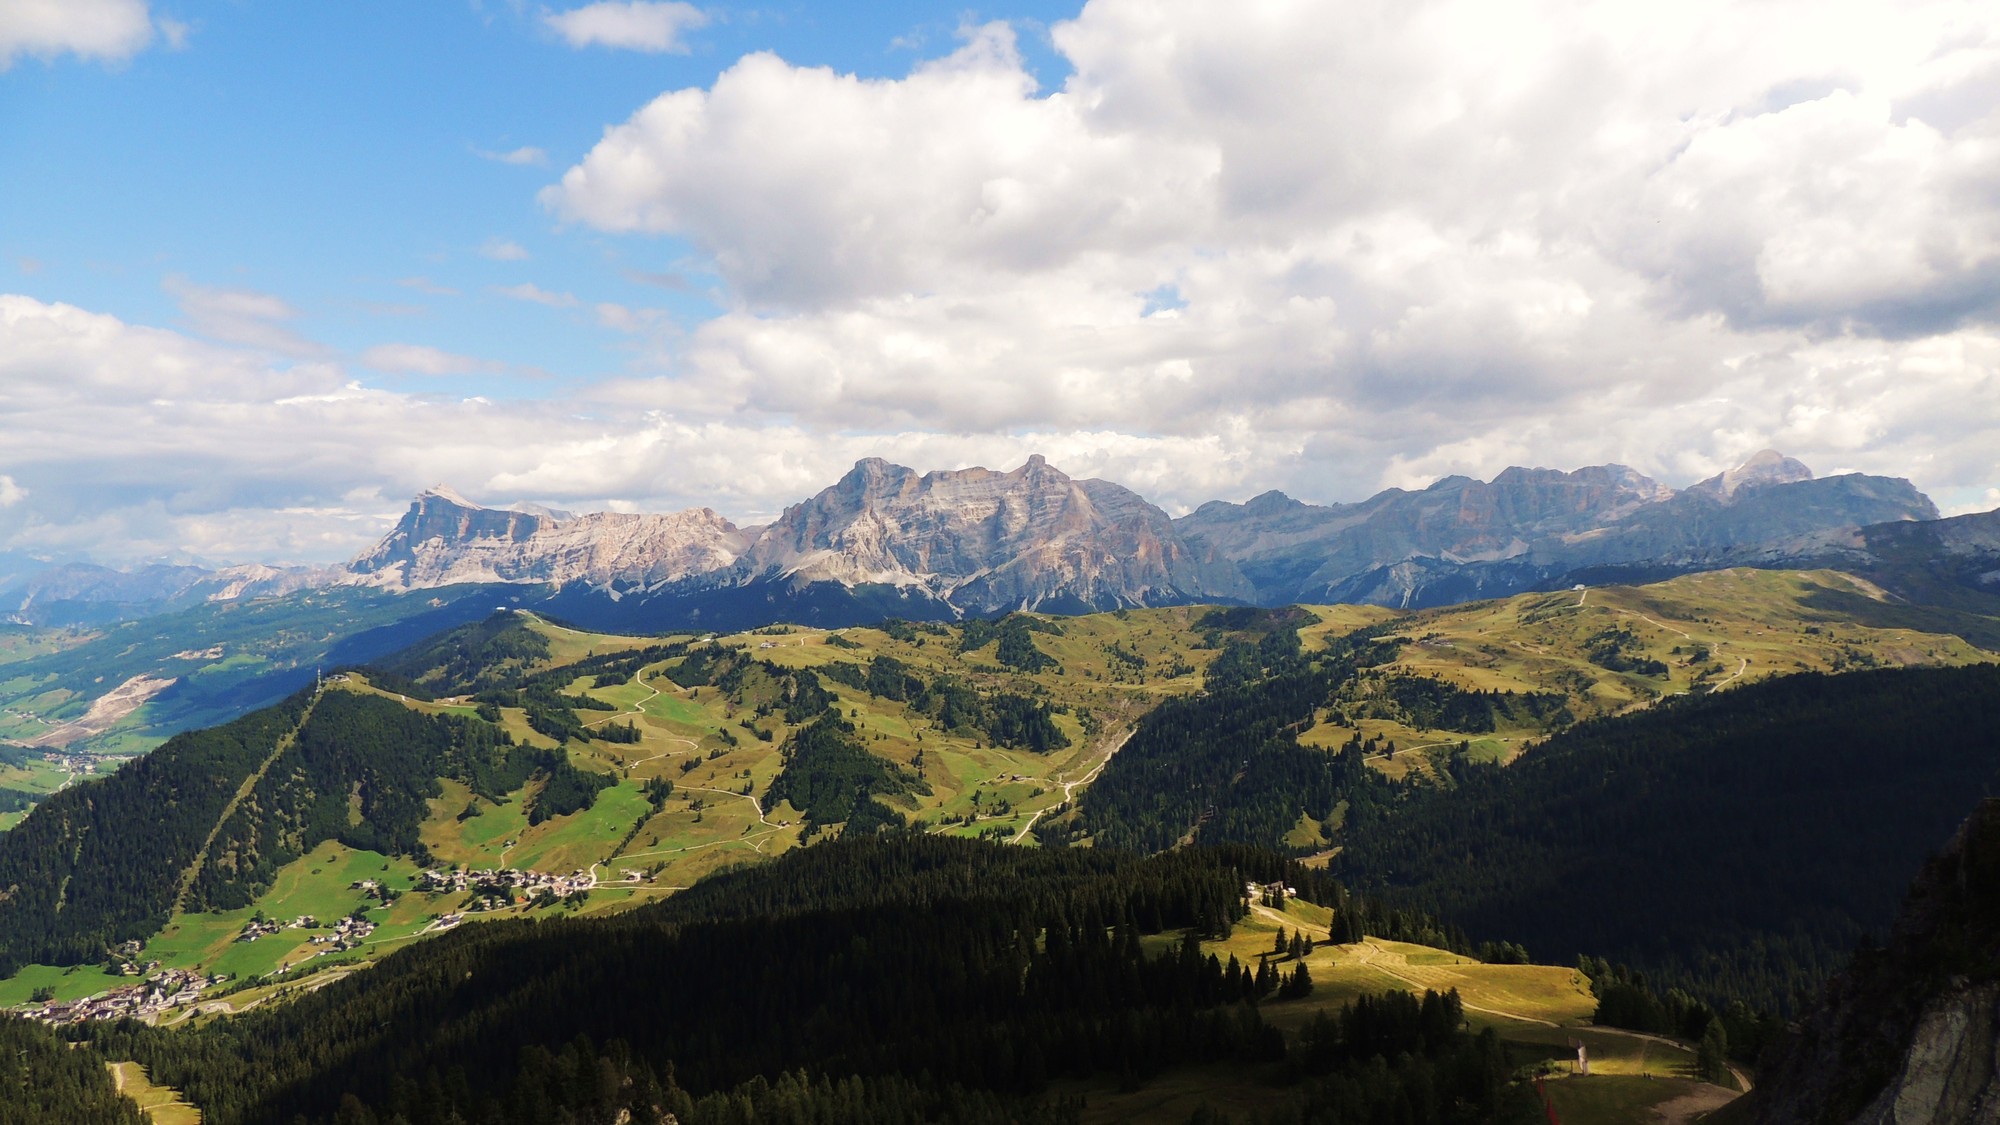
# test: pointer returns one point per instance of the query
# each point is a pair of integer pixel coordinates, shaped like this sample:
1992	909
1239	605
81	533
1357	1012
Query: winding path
1070	787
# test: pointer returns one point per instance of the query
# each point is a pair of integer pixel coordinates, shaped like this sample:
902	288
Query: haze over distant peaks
885	540
978	540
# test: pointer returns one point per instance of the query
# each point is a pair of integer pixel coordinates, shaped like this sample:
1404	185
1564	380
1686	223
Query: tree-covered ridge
1010	719
832	779
914	978
360	770
206	822
1738	843
495	652
1226	764
44	1080
101	862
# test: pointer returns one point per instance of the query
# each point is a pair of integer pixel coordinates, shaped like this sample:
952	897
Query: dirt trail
1070	787
638	708
1692	1106
242	791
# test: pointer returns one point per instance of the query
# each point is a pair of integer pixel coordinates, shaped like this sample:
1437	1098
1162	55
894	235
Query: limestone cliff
1910	1032
445	539
985	541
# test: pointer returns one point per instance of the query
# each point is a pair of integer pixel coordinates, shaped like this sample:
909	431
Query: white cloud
529	291
10	493
106	29
241	316
525	155
503	250
420	359
634	25
426	285
1404	239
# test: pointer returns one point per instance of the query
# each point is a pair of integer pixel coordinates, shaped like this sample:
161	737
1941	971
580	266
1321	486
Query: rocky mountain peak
447	494
986	540
1765	467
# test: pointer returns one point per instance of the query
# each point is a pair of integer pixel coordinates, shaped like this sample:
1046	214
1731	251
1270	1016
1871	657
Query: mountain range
887	541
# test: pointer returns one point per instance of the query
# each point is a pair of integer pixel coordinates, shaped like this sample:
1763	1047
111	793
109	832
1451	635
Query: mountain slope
446	539
1908	1031
1739	841
985	541
1527	529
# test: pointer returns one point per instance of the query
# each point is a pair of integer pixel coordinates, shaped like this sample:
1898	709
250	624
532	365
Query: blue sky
347	158
268	269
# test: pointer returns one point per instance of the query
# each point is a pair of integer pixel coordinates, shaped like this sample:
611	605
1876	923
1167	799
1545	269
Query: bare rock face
983	540
974	540
445	539
1951	1072
1910	1032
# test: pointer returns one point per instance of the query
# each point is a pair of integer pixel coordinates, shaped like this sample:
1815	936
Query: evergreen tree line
100	862
911	977
831	778
103	861
1016	648
42	1080
1733	845
1429	703
1006	718
363	749
1226	764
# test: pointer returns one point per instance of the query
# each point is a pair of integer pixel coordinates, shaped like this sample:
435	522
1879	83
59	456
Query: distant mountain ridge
1462	539
887	541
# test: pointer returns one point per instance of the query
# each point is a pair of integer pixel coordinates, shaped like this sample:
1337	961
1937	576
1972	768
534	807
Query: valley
582	777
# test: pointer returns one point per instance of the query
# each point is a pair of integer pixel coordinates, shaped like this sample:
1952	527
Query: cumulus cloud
525	155
1399	240
1324	249
241	316
633	25
535	294
105	29
420	359
10	493
503	250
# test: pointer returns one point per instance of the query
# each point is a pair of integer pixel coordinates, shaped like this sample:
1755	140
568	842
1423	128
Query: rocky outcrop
985	541
1910	1032
969	541
445	539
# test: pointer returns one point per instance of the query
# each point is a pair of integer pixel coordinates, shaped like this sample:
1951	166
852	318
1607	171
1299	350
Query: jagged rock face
1463	538
444	539
985	540
980	541
1909	1032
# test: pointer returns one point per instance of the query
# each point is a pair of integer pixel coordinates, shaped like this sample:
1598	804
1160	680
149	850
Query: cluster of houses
508	882
170	988
348	933
1268	891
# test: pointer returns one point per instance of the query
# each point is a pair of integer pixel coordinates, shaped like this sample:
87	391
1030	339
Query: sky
268	269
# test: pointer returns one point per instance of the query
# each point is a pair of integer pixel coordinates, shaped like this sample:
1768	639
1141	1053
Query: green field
162	1105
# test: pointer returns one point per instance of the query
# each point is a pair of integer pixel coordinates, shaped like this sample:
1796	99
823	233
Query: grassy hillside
1738	843
1608	650
991	729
